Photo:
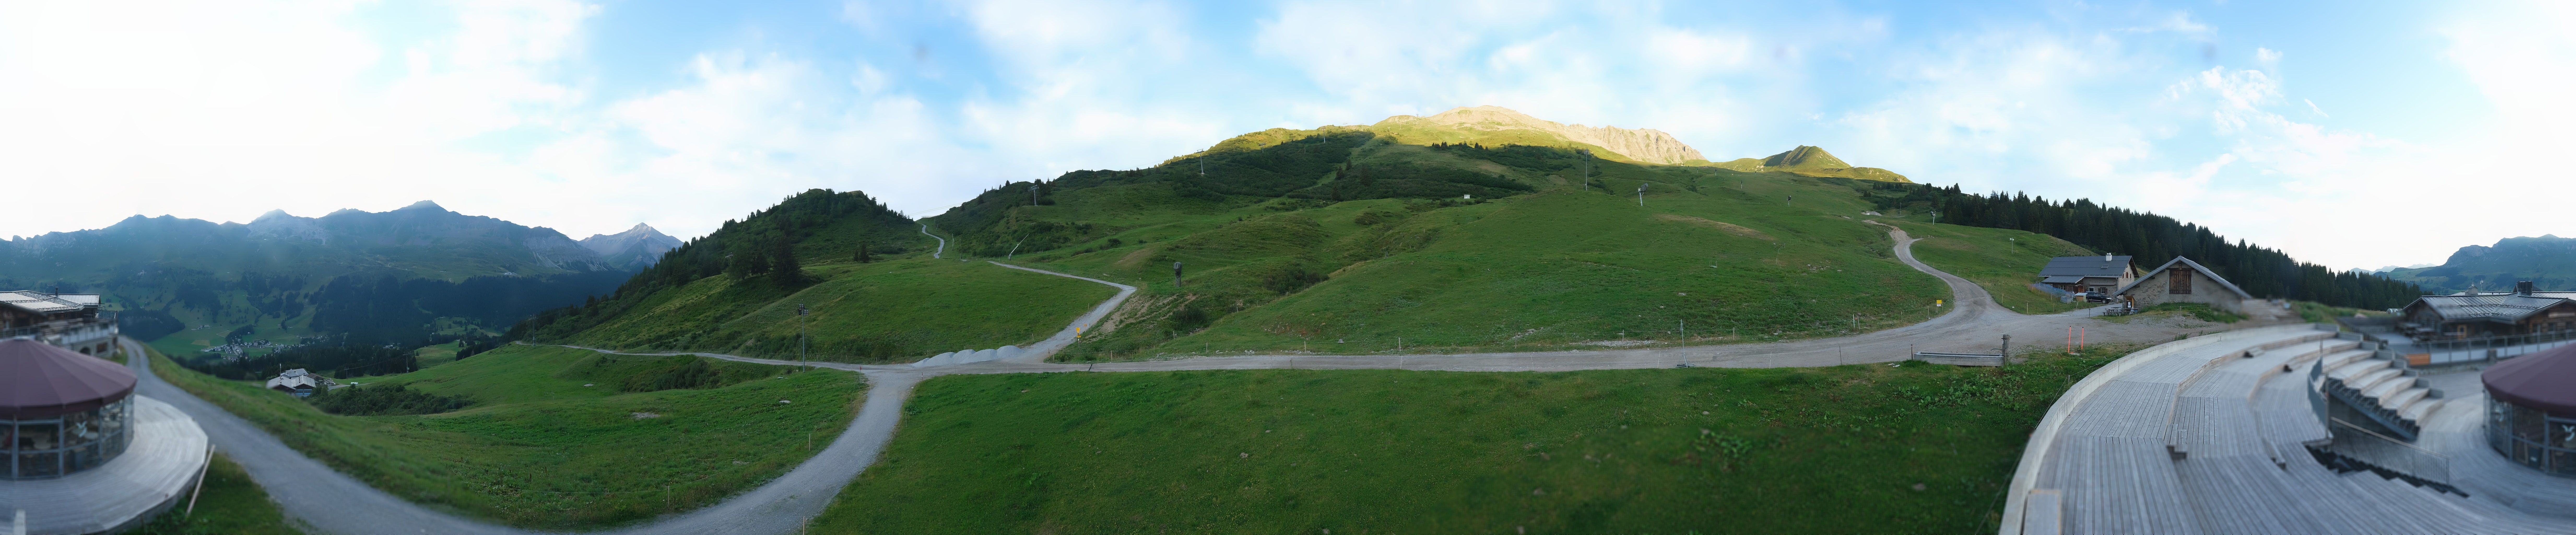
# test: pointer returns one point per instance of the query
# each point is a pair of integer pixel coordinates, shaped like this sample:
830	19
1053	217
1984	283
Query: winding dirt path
330	502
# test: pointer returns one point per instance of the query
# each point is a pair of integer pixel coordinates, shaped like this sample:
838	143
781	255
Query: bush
1373	217
1290	280
383	400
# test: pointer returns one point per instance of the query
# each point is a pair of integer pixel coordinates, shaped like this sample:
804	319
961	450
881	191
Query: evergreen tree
783	267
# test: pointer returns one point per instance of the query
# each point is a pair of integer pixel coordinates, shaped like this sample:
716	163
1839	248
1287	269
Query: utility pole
800	336
1176	274
1641	195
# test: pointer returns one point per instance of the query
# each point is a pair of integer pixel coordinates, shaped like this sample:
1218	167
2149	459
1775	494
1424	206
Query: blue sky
2352	134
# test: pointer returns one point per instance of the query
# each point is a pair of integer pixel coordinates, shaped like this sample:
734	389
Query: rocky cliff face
1640	144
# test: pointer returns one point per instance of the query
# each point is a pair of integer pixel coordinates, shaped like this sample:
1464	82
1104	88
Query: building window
2178	281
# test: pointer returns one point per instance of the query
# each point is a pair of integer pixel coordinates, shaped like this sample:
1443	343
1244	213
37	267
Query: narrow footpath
330	502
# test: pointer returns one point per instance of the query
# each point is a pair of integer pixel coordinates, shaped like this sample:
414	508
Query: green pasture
539	449
1910	448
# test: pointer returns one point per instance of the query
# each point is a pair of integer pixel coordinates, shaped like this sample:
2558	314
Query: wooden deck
2197	437
156	469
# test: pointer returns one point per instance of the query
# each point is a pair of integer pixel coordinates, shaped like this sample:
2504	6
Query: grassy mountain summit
1520	237
1811	161
1495	125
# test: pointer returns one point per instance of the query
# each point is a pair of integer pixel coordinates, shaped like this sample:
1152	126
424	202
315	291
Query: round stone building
2531	410
79	451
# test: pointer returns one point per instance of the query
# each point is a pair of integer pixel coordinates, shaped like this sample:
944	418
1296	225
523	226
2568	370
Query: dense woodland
336	357
2153	240
764	246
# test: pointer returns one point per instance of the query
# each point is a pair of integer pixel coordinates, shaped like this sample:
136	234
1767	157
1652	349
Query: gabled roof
2195	266
2085	266
2500	307
2061	279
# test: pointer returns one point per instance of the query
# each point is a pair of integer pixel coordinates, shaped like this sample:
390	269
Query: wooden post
201	482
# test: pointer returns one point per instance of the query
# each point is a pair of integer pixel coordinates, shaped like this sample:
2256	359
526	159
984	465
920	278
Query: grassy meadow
2005	262
1911	448
1727	255
229	503
891	311
551	442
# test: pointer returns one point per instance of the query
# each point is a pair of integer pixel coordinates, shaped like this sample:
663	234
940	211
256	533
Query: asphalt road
330	502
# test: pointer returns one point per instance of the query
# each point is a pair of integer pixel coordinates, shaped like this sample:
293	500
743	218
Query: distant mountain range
397	275
636	248
2549	261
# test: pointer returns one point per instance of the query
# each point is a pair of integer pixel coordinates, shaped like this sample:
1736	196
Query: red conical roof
38	380
2544	380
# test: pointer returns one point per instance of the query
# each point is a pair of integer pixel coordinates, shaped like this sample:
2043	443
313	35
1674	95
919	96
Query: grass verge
229	504
538	449
1849	449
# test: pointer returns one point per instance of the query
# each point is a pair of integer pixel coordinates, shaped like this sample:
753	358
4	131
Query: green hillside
897	310
736	291
1291	239
563	438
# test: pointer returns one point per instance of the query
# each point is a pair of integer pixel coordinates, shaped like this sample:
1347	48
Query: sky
2351	134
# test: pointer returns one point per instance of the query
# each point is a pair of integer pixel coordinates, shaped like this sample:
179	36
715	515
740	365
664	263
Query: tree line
2153	239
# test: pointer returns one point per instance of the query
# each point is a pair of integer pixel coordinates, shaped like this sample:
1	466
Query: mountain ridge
635	248
2547	260
1641	144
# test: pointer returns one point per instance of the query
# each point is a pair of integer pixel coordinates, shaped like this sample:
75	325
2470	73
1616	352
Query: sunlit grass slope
1914	448
536	432
1722	253
2005	262
898	310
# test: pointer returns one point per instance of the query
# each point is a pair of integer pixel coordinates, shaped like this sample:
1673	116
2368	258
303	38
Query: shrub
383	400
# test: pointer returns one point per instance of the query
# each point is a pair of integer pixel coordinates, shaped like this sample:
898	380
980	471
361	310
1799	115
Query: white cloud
223	111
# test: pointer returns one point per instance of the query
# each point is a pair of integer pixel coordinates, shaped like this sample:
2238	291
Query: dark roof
2061	279
2195	266
2495	307
2538	380
38	380
2086	266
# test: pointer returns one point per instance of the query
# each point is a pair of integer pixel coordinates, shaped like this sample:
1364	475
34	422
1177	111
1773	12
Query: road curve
331	502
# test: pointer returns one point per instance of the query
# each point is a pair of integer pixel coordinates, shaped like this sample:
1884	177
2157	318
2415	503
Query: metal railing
56	327
2361	444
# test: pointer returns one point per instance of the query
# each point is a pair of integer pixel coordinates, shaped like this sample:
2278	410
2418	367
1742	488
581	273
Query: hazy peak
425	204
